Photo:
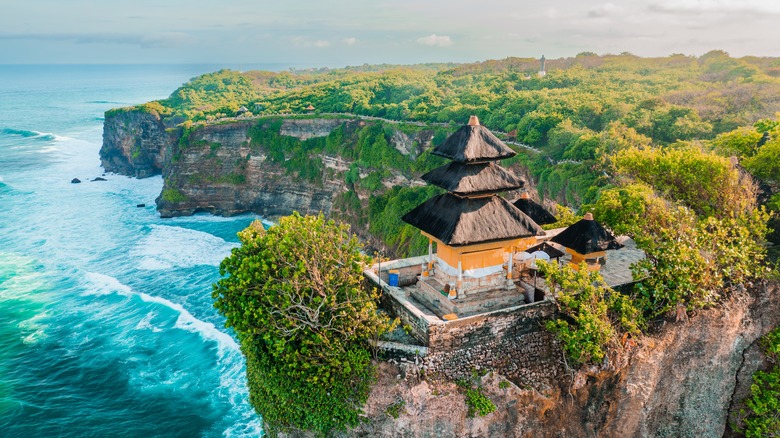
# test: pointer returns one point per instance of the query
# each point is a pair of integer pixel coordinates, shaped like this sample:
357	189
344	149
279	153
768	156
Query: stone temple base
471	285
430	292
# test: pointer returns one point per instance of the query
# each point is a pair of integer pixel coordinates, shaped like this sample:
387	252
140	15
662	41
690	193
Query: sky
336	33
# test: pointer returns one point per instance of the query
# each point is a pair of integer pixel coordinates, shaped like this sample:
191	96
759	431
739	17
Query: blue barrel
392	277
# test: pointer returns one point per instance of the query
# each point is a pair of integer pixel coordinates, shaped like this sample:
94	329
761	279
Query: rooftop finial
588	216
473	121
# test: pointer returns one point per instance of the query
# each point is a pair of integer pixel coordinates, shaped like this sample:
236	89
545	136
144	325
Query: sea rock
75	181
140	205
99	179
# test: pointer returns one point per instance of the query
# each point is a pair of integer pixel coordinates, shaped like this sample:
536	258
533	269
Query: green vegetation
478	403
170	194
703	234
476	400
396	409
294	296
763	416
584	111
593	316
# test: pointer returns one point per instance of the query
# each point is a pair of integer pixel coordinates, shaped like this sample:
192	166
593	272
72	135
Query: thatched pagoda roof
473	179
587	236
460	221
545	247
473	143
535	211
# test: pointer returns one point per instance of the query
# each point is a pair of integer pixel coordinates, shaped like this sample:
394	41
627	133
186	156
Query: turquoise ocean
106	321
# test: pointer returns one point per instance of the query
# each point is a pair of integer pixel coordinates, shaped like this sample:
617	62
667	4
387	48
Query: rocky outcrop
684	381
136	143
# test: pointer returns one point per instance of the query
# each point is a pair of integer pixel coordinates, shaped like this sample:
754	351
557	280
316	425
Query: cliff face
685	381
136	143
218	172
216	169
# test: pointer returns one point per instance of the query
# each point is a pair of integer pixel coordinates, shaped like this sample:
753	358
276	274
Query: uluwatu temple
481	260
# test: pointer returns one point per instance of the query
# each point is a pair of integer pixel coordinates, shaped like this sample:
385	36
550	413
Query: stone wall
512	342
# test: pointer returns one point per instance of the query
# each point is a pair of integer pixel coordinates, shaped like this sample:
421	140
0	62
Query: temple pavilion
475	231
587	240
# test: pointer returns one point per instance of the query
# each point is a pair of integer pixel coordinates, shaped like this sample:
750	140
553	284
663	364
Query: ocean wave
24	287
232	378
167	247
146	323
44	136
106	284
207	217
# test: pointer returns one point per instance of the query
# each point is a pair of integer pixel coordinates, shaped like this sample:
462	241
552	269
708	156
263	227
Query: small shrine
476	232
535	211
587	240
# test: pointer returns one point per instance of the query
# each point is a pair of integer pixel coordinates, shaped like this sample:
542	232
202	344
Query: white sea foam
33	330
48	150
209	218
231	362
106	284
166	247
146	323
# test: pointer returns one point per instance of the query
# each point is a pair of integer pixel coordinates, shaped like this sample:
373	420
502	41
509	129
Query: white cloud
302	41
757	6
435	40
602	10
350	41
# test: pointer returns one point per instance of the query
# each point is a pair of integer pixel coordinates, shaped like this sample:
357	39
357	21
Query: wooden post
430	254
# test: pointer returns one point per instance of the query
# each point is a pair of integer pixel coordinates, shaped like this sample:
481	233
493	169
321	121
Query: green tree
593	314
295	298
765	163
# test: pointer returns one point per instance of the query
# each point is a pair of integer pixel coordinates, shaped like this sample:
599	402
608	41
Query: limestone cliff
683	381
214	168
220	173
136	143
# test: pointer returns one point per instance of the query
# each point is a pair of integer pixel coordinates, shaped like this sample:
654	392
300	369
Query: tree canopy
294	295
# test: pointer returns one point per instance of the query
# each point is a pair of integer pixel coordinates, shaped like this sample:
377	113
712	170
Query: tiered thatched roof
472	212
587	236
473	179
460	221
535	211
473	143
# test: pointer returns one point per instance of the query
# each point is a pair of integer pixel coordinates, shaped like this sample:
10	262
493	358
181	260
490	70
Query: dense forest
577	118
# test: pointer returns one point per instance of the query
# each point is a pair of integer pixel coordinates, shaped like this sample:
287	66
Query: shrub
593	314
763	418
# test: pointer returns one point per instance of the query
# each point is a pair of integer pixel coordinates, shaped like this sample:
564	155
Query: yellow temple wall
481	255
482	259
577	258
